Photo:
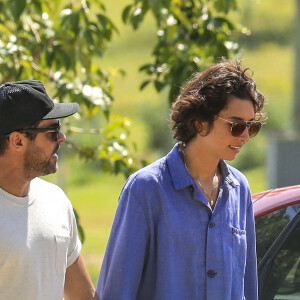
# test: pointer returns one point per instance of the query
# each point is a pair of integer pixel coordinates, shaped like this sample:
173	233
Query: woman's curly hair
207	93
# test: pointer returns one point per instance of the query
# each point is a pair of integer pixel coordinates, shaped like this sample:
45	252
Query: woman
184	227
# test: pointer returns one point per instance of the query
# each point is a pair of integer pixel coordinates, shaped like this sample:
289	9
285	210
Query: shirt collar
229	178
181	177
179	174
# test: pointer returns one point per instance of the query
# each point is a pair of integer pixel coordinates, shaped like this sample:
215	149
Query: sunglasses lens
55	136
238	128
56	133
254	129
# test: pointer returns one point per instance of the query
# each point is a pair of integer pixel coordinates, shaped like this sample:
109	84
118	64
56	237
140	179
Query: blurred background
268	48
269	51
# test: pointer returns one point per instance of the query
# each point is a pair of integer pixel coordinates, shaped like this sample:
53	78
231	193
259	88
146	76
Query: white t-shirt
38	241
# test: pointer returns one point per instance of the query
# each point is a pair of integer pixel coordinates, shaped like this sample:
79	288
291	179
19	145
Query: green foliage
79	227
111	155
190	35
156	116
63	43
57	42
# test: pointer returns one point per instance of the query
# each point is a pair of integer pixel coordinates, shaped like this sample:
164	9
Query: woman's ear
199	126
202	127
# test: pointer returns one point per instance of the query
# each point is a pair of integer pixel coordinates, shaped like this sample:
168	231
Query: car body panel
277	213
274	199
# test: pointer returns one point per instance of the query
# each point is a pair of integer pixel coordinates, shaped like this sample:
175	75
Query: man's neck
15	188
12	180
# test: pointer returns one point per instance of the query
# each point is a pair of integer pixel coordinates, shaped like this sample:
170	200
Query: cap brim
62	110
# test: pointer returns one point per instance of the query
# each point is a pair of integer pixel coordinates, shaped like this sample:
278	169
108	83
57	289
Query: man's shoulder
44	186
44	183
47	192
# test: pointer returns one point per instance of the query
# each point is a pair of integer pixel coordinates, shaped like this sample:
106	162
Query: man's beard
35	165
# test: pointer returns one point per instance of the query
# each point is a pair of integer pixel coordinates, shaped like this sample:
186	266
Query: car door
279	267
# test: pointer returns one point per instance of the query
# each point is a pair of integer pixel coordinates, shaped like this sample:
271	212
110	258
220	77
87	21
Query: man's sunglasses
53	129
238	127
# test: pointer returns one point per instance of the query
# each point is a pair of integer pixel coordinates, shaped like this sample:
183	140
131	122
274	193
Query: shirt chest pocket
239	247
61	244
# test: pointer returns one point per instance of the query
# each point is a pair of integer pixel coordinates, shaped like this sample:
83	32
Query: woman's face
220	142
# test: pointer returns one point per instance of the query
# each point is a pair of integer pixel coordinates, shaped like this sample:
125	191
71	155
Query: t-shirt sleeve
75	245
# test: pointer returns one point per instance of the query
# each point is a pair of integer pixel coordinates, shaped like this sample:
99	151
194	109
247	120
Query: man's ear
17	141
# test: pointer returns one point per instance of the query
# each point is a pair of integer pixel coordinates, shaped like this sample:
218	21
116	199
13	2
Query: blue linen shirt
167	244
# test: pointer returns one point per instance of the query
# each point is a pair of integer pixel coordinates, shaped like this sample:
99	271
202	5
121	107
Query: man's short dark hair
3	144
5	138
207	93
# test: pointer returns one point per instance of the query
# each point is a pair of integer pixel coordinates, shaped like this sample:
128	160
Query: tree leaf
74	20
144	84
126	12
16	8
158	85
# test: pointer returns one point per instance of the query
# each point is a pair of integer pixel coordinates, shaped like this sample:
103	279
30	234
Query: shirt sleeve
75	245
251	292
126	251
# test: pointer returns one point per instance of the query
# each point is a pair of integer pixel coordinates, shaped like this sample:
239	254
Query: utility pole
283	164
296	106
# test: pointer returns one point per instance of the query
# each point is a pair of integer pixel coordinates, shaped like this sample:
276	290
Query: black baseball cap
25	102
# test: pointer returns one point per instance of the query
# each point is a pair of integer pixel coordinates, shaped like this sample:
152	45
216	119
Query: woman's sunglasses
53	129
238	127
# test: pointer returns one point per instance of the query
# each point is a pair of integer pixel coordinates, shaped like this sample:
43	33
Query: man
39	246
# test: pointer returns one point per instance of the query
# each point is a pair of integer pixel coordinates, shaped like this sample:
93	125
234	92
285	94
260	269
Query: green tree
190	35
57	42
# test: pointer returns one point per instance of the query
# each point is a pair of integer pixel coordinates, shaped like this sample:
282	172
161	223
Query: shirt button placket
211	225
211	273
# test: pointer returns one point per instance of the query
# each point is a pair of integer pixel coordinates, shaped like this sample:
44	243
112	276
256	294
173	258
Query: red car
277	214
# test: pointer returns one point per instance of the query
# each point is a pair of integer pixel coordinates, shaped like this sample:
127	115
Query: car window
268	228
283	276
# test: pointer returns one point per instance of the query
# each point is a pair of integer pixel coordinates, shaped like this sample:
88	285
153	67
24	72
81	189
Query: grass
257	178
96	203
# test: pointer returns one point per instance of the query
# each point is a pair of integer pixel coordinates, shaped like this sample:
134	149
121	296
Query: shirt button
192	189
211	273
211	225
